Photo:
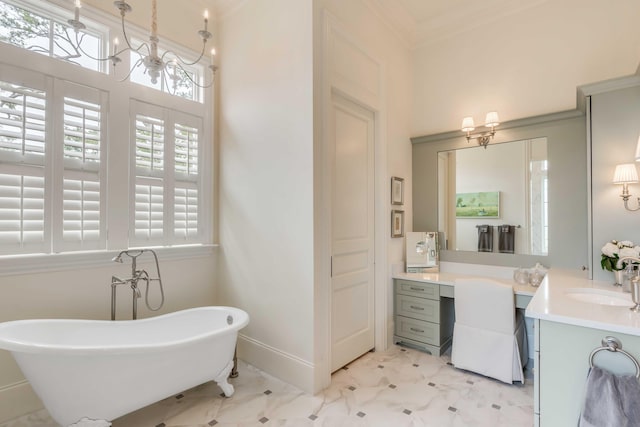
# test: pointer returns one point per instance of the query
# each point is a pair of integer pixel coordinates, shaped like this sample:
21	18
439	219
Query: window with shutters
166	203
41	211
88	163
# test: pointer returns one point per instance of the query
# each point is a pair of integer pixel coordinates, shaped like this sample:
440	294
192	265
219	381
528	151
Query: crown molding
397	19
456	21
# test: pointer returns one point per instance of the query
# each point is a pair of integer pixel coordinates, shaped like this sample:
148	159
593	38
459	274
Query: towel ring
614	344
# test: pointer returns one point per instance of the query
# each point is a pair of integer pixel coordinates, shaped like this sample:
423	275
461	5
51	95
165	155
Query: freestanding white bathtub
86	370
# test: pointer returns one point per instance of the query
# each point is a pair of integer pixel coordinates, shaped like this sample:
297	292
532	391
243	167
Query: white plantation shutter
149	166
23	113
185	212
149	144
81	225
22	211
149	209
22	120
81	210
186	201
186	150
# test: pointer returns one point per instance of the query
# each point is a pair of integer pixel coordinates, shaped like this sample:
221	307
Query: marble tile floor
399	387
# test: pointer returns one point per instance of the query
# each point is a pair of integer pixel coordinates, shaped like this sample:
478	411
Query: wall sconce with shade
626	174
491	121
156	64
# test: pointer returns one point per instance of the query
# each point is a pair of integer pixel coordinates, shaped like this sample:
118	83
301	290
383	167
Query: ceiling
420	22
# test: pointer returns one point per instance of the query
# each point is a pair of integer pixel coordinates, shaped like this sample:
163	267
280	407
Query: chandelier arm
208	85
138	62
181	60
78	46
124	33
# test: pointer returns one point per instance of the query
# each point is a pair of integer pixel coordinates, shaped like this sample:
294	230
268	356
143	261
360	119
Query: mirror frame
567	154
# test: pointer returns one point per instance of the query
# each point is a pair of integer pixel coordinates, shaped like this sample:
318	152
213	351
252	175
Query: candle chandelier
168	64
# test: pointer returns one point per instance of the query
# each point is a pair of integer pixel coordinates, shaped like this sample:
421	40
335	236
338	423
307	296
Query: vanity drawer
418	308
418	289
418	330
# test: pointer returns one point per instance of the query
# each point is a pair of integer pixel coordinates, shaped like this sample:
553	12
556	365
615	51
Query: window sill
39	263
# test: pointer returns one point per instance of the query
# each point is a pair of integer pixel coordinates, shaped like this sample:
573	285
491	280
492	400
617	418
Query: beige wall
266	182
270	182
524	64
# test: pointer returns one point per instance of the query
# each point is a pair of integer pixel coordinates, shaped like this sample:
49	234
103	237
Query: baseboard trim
285	366
18	399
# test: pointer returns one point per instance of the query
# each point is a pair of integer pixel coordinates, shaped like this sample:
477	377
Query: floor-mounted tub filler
89	372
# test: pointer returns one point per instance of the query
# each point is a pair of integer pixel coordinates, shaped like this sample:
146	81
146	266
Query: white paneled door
352	136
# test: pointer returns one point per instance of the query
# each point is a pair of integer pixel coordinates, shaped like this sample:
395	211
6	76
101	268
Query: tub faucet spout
136	276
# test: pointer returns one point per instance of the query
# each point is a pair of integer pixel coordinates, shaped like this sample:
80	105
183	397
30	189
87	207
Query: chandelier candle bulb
206	19
116	42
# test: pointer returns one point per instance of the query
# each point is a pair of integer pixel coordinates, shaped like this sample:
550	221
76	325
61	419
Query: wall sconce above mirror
626	174
491	121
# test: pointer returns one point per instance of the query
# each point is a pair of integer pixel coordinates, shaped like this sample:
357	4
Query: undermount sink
598	296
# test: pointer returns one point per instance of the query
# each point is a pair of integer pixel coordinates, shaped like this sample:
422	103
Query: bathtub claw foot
222	380
88	422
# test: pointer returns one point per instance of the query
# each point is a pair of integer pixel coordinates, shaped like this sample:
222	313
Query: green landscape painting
478	205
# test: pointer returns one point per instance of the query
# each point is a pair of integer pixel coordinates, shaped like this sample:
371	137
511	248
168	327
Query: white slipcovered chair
488	336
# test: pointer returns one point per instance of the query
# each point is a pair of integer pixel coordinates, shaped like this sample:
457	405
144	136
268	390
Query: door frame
328	83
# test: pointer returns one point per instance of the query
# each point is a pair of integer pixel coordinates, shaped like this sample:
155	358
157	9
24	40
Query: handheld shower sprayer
136	276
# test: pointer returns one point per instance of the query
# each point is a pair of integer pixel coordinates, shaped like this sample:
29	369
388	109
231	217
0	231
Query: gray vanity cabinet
423	316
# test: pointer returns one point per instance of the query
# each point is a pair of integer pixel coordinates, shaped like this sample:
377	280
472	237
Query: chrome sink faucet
635	283
626	258
136	276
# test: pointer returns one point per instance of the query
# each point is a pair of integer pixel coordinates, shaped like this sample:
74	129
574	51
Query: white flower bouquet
614	250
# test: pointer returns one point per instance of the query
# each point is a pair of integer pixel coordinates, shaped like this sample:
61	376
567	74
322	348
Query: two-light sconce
491	121
626	174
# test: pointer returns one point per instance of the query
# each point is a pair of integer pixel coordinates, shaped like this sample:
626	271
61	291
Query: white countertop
444	278
551	301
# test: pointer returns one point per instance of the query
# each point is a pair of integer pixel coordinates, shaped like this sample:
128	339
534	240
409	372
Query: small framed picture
397	223
397	190
478	205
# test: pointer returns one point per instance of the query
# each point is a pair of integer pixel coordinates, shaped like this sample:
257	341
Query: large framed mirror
564	136
495	200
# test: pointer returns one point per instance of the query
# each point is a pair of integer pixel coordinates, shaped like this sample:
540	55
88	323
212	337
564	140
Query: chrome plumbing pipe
136	276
